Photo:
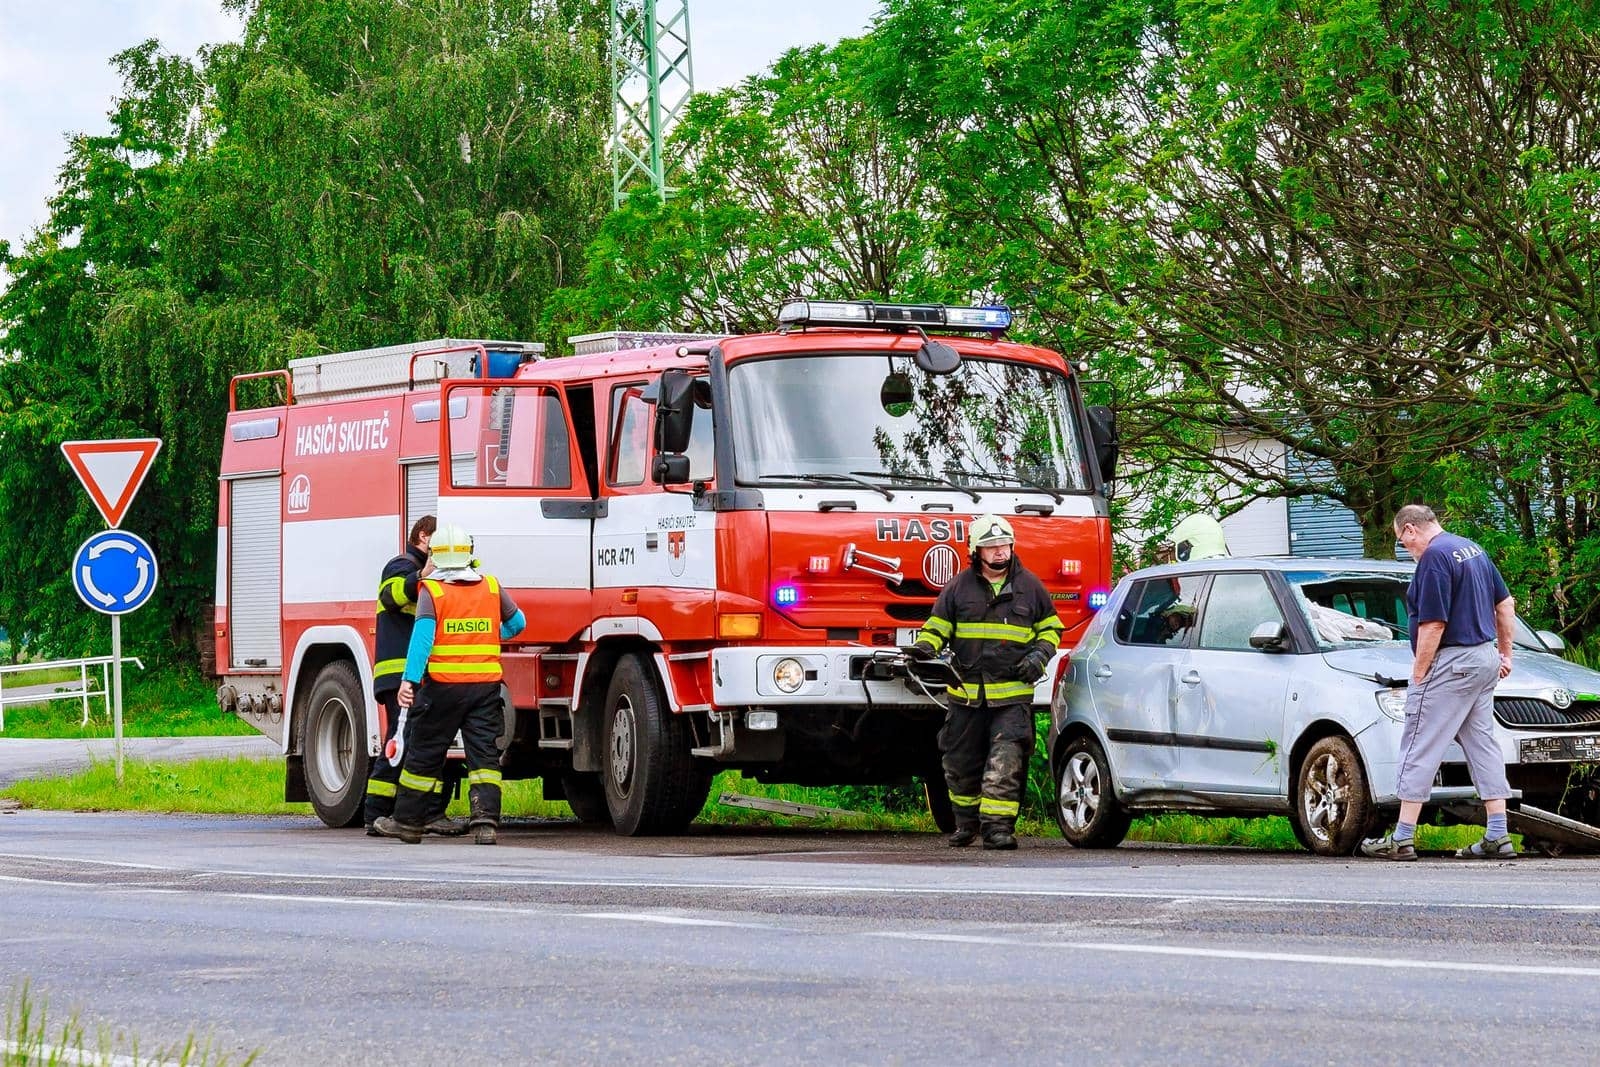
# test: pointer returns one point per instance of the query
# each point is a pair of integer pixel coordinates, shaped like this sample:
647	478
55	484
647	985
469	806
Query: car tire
334	745
1086	806
1333	805
652	784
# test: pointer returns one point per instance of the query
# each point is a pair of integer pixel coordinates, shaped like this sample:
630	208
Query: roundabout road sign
114	572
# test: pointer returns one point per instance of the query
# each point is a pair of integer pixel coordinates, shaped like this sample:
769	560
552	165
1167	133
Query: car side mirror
1269	637
1550	640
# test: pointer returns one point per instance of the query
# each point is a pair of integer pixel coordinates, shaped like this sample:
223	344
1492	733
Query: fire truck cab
715	541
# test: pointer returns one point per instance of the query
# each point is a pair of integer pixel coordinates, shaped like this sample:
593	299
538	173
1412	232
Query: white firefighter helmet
1197	537
989	530
451	547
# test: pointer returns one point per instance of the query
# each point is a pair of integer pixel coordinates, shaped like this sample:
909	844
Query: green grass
31	1040
241	786
154	704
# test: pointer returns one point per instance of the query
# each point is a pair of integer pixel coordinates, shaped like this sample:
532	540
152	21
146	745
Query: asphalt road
564	945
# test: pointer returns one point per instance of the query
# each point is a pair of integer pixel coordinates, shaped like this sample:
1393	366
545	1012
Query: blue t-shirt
1457	584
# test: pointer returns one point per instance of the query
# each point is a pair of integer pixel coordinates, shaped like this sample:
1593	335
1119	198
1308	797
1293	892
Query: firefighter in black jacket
1002	629
397	611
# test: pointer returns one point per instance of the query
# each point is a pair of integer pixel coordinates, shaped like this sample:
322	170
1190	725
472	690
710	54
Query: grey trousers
1455	702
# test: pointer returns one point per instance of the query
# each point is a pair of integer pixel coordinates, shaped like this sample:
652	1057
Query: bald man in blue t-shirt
1460	611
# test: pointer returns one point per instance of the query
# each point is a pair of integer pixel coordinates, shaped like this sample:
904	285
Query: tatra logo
940	565
300	495
466	626
922	530
677	552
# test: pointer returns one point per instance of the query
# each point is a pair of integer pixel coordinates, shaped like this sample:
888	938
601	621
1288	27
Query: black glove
1031	668
921	650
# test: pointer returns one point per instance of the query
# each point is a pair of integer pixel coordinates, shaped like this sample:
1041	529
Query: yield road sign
114	572
112	471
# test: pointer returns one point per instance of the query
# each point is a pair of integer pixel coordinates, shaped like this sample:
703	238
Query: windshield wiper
1026	483
926	479
825	477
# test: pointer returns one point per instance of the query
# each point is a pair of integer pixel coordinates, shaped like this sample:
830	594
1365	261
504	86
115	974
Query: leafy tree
352	173
790	184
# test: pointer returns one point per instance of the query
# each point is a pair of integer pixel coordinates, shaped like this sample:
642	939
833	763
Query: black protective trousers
383	777
986	754
440	710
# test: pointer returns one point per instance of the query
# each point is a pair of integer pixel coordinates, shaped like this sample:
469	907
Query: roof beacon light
868	313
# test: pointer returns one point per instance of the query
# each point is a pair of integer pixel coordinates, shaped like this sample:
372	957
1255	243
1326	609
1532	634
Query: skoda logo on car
940	565
1561	698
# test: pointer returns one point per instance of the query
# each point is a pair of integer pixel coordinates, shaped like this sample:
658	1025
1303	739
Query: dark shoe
445	826
484	834
1499	848
386	826
964	836
1000	840
1387	848
372	831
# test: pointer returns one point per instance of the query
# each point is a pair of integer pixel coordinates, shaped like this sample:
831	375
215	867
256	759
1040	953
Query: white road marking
669	920
1386	962
1187	896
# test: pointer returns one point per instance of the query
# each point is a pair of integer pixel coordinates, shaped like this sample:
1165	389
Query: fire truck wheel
586	796
650	777
335	758
938	797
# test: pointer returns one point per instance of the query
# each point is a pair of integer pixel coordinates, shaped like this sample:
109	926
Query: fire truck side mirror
671	468
1103	429
674	412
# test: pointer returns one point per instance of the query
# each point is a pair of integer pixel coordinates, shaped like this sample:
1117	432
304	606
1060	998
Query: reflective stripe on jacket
397	611
466	642
990	632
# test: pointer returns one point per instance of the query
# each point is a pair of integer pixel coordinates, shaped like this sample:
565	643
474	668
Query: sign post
114	572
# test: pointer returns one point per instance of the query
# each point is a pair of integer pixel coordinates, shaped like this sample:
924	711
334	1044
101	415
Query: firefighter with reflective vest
451	682
397	611
1001	628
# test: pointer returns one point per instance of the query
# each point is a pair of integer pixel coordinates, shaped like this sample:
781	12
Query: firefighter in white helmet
1001	628
451	683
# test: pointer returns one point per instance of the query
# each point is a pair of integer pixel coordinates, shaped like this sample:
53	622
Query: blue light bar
1098	600
870	313
786	595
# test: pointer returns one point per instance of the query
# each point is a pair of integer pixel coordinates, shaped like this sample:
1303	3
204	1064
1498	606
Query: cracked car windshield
988	425
1349	608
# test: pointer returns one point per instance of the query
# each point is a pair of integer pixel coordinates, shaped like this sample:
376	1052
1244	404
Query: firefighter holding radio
1001	628
462	617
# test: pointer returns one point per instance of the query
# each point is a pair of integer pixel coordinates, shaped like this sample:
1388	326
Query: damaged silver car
1277	687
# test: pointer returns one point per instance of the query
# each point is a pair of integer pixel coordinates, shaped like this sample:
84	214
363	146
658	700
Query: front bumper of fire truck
854	675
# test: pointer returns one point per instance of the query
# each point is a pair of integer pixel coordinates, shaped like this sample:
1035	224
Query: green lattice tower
651	80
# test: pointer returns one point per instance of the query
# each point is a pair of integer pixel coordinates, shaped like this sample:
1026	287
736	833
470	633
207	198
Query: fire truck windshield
989	425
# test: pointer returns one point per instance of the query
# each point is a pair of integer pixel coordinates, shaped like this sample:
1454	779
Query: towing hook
885	567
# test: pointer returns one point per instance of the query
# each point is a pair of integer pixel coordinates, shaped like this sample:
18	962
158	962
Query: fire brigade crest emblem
939	565
677	552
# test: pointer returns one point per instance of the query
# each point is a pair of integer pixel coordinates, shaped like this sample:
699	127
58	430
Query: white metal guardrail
83	692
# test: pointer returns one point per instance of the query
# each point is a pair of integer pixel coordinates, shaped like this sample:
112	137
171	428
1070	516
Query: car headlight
1392	702
788	675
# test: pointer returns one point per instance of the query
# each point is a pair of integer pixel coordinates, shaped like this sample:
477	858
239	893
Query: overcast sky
56	78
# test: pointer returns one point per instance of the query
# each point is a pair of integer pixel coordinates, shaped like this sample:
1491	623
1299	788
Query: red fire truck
718	542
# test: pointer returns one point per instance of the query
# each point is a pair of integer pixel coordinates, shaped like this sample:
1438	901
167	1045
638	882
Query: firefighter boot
1002	838
962	837
484	833
387	826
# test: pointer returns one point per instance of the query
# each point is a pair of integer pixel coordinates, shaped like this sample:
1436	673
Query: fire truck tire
938	797
651	782
335	758
586	796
